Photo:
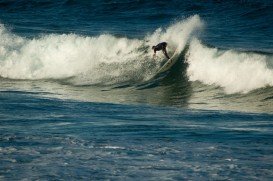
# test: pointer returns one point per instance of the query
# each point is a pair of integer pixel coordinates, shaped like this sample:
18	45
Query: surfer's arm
166	54
154	54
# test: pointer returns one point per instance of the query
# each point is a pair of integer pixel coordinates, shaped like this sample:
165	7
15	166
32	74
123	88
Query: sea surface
79	99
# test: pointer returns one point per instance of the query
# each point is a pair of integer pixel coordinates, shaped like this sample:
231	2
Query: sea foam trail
89	60
236	72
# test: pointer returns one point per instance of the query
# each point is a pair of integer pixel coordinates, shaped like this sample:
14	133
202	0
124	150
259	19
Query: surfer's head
153	47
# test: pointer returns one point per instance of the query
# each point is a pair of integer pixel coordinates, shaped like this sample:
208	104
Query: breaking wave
107	60
84	60
236	72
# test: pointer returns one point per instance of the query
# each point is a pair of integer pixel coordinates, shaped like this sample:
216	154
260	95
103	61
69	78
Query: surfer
161	46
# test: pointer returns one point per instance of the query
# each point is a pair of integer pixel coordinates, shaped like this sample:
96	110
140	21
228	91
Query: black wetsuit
161	46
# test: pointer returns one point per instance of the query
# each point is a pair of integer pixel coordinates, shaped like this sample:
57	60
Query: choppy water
78	101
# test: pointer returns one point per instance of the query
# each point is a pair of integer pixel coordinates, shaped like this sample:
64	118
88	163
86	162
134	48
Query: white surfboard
169	63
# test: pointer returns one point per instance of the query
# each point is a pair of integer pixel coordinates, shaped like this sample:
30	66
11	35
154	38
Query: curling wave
104	59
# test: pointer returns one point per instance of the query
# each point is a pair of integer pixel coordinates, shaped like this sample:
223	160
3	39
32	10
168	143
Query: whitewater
70	55
106	59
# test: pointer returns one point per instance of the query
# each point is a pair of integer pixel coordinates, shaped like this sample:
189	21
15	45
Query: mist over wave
103	59
236	72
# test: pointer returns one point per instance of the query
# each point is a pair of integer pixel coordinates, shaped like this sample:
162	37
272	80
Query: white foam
178	34
113	147
89	60
236	72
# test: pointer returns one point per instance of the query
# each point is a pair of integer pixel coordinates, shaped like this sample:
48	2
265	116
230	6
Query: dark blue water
243	24
55	139
79	100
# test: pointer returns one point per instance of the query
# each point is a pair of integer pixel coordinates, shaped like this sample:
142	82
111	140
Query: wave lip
236	72
178	34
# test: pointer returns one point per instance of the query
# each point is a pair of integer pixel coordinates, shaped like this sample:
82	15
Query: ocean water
78	100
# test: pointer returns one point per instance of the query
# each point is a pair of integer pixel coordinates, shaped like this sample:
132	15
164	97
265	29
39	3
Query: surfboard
166	66
169	63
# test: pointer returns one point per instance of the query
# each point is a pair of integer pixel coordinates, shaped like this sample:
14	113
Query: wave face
107	59
236	72
89	60
226	50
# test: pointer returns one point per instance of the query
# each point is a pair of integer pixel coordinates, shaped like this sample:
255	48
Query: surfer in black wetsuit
161	46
